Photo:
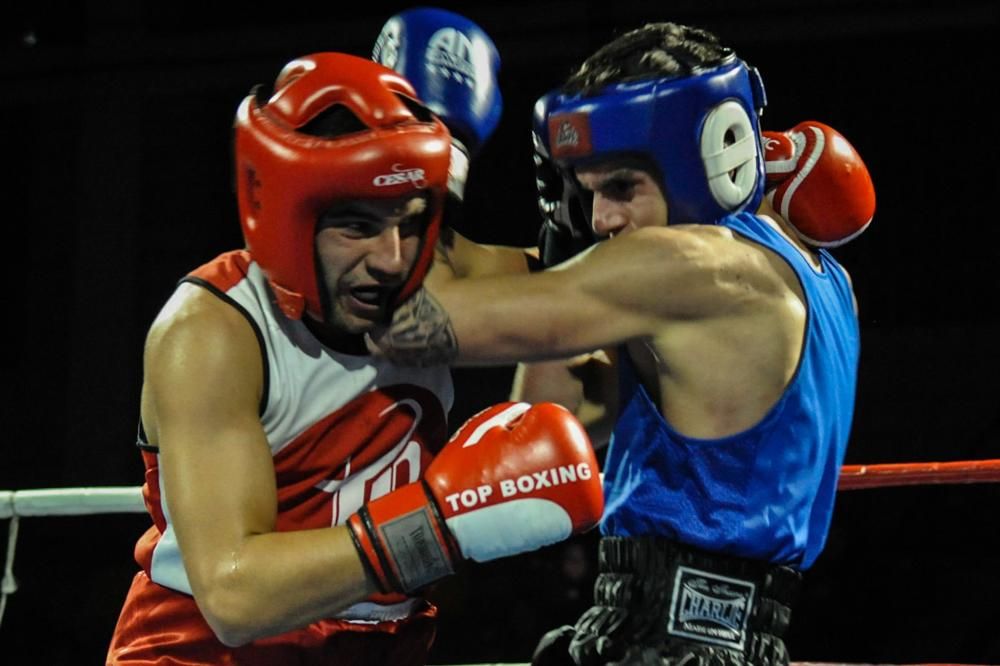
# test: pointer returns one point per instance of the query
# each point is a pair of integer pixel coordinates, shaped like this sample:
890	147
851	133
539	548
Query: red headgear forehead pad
287	178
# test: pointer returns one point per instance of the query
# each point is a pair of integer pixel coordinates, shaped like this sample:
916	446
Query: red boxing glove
817	181
514	478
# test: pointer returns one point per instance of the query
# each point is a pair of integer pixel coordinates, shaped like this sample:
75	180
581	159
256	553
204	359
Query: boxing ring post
15	504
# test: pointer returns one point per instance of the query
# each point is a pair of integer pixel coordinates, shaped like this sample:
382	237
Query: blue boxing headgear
701	131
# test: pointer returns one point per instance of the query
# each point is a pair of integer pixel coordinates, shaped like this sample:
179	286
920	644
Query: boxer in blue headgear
698	133
735	346
696	129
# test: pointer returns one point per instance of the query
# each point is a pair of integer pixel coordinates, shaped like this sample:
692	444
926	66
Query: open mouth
369	298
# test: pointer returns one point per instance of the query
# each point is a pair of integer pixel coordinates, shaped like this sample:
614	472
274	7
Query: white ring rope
71	501
58	502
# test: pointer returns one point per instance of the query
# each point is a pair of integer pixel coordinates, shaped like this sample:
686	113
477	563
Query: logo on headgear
449	54
569	135
401	176
389	43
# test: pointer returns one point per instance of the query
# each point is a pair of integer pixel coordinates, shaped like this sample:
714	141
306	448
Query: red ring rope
857	477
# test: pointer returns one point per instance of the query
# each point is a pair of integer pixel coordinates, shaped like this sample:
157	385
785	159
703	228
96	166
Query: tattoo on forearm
420	333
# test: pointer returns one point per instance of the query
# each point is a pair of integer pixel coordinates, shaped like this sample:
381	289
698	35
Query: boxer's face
625	198
366	249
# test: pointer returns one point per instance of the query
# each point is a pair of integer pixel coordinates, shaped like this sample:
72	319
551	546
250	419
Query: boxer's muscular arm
629	287
200	405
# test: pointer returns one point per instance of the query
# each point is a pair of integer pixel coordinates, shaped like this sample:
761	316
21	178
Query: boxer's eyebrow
599	178
618	184
619	176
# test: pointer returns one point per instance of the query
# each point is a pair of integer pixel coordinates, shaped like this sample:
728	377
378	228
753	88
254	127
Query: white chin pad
516	526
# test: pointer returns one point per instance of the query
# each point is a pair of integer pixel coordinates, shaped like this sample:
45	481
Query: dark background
115	121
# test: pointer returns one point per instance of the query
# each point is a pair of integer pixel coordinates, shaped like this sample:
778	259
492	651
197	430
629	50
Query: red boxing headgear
287	178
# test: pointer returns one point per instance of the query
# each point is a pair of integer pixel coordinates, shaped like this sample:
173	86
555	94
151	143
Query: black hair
656	50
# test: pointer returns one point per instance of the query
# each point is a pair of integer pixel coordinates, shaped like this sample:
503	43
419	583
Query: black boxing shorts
660	603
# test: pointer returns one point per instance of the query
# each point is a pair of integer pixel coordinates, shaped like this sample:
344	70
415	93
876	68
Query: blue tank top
766	493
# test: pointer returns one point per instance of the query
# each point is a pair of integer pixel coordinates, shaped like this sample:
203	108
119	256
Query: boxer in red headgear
290	171
296	511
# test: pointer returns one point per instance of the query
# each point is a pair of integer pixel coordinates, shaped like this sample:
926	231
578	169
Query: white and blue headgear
700	130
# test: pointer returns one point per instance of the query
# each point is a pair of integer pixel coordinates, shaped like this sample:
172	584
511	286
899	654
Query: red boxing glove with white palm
817	181
514	478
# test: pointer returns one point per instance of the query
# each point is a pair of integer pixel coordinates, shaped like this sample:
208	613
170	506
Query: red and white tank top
343	429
